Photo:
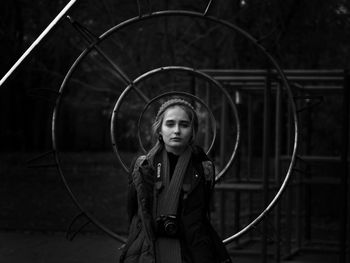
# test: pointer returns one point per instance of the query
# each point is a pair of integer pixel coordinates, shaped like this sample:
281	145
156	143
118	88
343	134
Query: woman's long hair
157	124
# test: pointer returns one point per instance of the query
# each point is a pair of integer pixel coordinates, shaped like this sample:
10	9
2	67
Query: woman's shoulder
141	172
142	164
199	154
203	160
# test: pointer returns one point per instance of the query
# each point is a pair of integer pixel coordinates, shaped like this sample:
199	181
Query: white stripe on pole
36	42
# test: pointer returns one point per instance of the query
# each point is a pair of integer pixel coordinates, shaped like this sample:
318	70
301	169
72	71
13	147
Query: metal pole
222	161
266	157
278	125
250	156
237	197
223	213
207	121
296	197
288	206
223	132
345	170
37	41
298	211
307	187
237	174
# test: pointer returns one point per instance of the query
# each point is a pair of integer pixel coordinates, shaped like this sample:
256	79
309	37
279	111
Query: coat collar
195	172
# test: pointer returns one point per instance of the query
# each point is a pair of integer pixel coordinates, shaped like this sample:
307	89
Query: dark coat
199	241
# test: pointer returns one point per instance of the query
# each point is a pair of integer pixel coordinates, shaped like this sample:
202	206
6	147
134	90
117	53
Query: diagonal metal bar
316	101
207	8
37	41
88	36
41	165
299	158
83	212
70	235
92	40
265	37
301	171
40	156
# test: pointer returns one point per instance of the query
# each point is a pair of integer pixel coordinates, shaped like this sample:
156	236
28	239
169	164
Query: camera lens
170	227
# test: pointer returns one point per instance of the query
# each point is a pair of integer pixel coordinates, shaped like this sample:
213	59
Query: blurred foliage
312	34
300	34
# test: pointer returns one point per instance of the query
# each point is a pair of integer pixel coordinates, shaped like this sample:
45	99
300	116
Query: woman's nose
177	129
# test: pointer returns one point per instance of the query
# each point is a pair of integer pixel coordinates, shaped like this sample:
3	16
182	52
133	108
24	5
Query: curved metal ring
175	68
226	24
174	93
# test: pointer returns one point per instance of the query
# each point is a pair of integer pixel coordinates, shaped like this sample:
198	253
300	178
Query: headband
173	102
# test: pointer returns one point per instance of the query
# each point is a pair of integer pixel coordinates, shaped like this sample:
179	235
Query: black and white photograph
174	131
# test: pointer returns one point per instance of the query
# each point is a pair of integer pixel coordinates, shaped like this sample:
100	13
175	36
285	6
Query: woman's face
176	130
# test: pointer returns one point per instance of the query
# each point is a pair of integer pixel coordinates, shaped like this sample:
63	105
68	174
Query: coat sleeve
131	195
138	167
209	174
222	255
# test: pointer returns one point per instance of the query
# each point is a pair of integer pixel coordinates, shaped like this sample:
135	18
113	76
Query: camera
167	226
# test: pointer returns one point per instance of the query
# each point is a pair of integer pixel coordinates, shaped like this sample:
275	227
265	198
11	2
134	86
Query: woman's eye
181	124
185	125
169	124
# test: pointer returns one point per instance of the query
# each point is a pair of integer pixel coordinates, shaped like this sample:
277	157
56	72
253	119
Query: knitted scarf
168	249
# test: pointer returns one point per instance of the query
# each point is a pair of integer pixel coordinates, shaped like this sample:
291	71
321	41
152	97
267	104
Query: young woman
169	195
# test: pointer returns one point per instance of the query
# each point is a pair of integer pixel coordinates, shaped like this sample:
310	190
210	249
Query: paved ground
34	247
51	248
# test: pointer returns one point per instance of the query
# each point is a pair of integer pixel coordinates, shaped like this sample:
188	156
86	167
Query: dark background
303	35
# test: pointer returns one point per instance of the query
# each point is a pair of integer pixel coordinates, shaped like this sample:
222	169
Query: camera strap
169	198
168	249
